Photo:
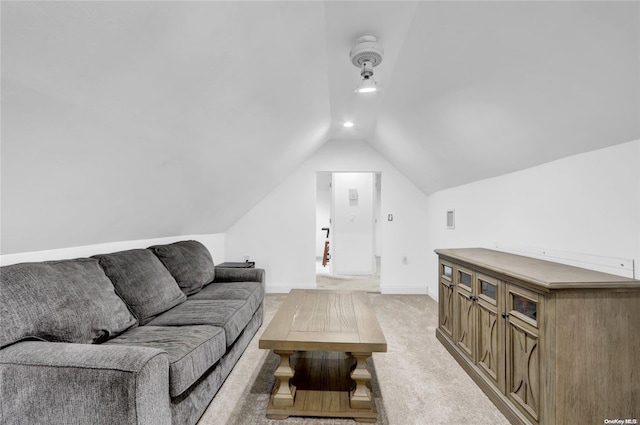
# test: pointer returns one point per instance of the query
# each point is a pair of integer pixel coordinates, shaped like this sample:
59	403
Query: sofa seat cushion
60	301
189	262
253	292
231	315
141	280
192	350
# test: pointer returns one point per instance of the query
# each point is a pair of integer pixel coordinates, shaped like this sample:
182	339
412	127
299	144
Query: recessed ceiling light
348	124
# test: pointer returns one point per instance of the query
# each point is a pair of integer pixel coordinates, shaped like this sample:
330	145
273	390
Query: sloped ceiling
132	120
486	88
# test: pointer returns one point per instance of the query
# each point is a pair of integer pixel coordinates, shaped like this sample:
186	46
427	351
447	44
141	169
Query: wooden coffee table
323	339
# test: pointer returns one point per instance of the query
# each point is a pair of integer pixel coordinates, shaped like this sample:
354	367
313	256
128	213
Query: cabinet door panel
488	357
465	335
465	311
445	312
490	332
523	367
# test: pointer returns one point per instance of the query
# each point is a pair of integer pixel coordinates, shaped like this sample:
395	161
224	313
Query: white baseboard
279	288
432	295
388	289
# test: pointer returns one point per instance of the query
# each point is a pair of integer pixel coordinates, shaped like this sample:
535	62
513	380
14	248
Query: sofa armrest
224	274
63	383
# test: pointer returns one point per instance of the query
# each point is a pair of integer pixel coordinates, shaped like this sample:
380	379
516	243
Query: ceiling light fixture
368	83
366	54
348	124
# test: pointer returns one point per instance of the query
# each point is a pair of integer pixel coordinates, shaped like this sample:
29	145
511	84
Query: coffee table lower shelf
322	387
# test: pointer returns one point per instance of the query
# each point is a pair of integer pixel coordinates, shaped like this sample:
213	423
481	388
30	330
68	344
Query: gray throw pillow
142	282
60	301
189	262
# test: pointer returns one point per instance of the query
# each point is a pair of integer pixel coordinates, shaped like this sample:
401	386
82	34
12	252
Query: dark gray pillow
189	262
142	282
63	301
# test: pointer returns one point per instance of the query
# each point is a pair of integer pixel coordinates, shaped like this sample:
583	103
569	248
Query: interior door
353	221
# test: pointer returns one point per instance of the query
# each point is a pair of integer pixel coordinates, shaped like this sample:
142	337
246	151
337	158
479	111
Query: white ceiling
129	120
485	88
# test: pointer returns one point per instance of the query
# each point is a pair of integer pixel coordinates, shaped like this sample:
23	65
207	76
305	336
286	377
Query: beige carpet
418	381
351	283
326	280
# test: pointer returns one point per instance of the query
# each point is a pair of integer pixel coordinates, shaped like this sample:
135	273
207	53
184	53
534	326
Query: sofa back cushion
141	280
60	301
189	262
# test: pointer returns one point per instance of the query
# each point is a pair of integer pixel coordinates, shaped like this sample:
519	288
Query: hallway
324	280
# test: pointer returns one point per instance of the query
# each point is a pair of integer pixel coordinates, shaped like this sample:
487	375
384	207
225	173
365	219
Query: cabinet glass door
465	332
446	270
523	352
465	279
445	312
489	331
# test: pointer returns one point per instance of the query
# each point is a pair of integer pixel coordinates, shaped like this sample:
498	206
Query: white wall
323	210
279	232
377	214
213	242
587	203
352	239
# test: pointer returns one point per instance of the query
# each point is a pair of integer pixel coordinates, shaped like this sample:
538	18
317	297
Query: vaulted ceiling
129	120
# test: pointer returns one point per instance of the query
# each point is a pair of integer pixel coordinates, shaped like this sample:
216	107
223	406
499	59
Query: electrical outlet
246	258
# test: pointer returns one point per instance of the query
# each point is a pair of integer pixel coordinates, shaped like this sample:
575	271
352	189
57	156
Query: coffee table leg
284	393
360	396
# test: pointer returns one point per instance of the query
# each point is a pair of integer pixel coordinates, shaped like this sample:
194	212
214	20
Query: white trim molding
406	289
275	288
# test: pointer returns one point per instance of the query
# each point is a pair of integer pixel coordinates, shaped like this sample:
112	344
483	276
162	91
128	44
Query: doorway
348	230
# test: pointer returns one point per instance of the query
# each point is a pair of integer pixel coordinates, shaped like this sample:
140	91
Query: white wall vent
451	219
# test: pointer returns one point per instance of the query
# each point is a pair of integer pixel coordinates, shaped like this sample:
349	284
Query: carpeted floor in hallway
419	382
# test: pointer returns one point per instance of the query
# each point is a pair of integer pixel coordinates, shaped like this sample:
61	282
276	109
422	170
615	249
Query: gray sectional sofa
144	336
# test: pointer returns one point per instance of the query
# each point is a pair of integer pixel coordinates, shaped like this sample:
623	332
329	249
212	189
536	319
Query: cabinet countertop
546	274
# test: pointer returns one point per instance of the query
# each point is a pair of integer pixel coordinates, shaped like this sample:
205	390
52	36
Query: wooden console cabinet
549	344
